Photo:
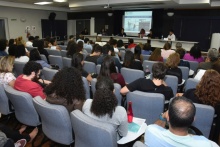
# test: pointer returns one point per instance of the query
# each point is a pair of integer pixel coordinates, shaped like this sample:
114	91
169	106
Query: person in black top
85	32
150	35
129	61
156	85
122	33
182	52
95	55
40	46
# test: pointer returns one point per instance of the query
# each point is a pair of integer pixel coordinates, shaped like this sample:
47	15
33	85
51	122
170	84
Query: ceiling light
60	1
43	3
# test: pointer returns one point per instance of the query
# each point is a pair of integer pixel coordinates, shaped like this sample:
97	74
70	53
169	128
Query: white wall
33	18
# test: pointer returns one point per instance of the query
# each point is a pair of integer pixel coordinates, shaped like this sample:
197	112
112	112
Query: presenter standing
122	33
171	36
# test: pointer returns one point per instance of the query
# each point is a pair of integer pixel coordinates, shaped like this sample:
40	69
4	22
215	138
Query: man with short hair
171	36
156	85
29	43
28	81
180	116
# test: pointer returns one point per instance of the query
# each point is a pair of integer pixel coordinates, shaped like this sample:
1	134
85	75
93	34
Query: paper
199	74
133	127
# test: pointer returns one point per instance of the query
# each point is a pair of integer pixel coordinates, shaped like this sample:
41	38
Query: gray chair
84	55
139	144
122	55
185	72
146	105
90	67
86	87
131	75
172	81
53	52
191	83
63	47
193	65
43	57
67	62
204	118
146	57
56	60
98	68
18	68
22	102
88	50
149	64
92	133
56	123
49	73
4	102
31	48
63	53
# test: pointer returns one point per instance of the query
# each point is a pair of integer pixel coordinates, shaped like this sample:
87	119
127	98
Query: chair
53	52
131	75
191	83
4	102
67	62
98	68
172	81
31	48
92	133
185	72
56	123
84	55
193	65
90	67
56	60
63	53
43	57
63	47
146	57
88	50
146	105
86	87
49	73
122	55
18	68
204	118
23	106
149	64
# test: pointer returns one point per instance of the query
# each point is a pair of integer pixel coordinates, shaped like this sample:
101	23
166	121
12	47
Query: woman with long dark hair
35	56
137	53
129	61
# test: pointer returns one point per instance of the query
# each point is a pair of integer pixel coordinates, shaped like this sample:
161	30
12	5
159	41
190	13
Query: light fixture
110	14
60	1
43	3
170	13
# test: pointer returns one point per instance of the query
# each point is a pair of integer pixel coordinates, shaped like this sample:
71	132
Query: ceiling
98	5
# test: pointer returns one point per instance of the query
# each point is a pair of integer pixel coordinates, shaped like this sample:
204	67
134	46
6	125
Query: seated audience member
3	45
146	49
80	48
171	36
6	67
180	117
36	38
156	85
194	54
172	66
108	69
29	43
120	45
106	50
104	107
178	45
11	42
114	54
137	54
70	42
40	47
77	62
131	44
29	81
212	57
72	48
20	54
103	32
81	38
114	44
122	33
95	55
71	38
129	61
35	56
66	89
156	55
182	52
87	44
53	44
85	32
11	50
216	66
166	51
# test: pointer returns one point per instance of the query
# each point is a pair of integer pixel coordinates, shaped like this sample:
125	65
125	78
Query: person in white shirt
29	43
171	36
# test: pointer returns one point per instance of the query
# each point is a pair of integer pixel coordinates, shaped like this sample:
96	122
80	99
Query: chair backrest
149	64
172	81
204	118
4	101
30	48
90	67
23	106
43	57
88	50
191	83
185	72
96	133
98	68
146	57
131	75
86	87
18	68
67	62
63	47
146	105
49	73
193	65
122	54
55	119
139	144
56	60
63	53
84	55
53	52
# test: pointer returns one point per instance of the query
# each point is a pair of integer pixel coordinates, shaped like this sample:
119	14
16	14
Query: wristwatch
161	117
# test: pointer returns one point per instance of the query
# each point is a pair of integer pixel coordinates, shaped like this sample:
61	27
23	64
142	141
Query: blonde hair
6	63
173	60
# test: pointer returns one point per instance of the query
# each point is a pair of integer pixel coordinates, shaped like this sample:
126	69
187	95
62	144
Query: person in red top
28	81
131	44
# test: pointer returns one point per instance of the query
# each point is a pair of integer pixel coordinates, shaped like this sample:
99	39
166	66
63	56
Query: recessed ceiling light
43	3
60	1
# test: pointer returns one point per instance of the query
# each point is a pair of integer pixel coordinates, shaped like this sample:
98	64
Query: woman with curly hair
194	54
156	55
172	66
66	89
104	107
108	69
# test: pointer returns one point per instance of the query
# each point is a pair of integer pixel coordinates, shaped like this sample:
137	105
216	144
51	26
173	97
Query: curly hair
6	63
167	46
195	51
31	66
104	100
208	89
156	55
173	60
67	84
216	66
77	61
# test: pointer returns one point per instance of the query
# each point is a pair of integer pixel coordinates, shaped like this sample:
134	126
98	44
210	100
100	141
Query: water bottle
130	112
147	72
162	37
